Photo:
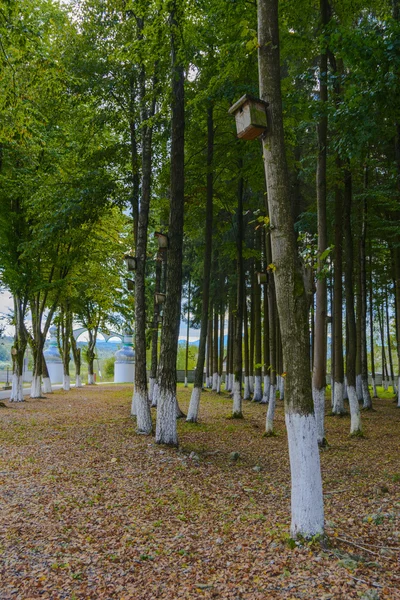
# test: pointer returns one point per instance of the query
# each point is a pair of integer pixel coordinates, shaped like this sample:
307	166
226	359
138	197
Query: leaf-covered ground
91	510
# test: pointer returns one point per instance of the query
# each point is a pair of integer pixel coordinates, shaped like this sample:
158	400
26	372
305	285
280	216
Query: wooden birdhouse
162	239
131	262
262	278
160	298
251	117
130	284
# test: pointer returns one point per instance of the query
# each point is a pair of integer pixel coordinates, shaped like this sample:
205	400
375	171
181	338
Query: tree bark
140	399
292	298
187	338
389	340
194	405
258	394
366	396
355	425
371	327
246	393
338	406
221	346
215	351
20	344
153	394
238	337
166	431
76	353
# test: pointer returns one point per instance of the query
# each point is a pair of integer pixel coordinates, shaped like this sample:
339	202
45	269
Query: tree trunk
366	396
371	329
154	335
292	298
46	386
269	425
221	346
215	351
258	393
397	301
355	426
140	399
338	406
384	366
166	432
247	392
389	340
187	338
19	349
357	270
252	325
238	337
76	353
209	349
91	352
266	352
134	159
194	405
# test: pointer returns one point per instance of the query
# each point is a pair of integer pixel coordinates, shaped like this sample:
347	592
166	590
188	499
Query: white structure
124	367
53	358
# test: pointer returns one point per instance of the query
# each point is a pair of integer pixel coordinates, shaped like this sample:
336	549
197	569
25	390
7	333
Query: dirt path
88	509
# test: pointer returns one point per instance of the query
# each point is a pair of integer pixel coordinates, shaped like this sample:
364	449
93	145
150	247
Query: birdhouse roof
246	98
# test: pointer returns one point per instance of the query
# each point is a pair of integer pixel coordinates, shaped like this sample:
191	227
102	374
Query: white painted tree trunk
272	393
345	394
17	389
46	386
307	499
385	384
166	419
66	383
267	385
215	382
36	387
338	406
359	389
143	418
133	405
91	379
355	419
186	382
257	396
269	423
151	389
156	393
209	382
332	393
237	399
78	381
247	393
281	388
251	382
374	390
219	384
193	411
319	410
228	386
367	403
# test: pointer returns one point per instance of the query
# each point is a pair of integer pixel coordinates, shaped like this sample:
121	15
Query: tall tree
166	432
194	405
319	370
291	293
